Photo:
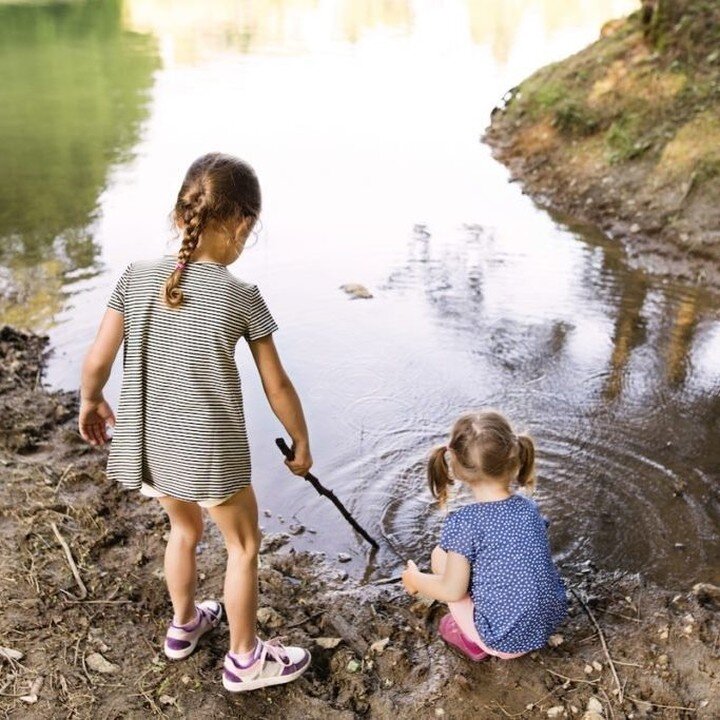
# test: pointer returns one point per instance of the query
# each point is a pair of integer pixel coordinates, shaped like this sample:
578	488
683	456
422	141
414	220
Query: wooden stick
288	453
603	643
658	705
71	562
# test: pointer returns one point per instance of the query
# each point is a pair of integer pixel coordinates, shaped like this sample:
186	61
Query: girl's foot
272	664
453	636
181	640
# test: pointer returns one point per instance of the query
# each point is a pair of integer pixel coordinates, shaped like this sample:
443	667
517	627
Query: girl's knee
244	549
188	533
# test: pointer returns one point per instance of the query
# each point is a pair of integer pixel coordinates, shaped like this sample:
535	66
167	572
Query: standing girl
180	431
493	565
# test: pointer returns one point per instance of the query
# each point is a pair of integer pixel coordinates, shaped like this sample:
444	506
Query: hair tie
180	266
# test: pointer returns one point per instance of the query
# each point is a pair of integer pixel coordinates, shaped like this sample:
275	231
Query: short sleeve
117	298
457	536
260	322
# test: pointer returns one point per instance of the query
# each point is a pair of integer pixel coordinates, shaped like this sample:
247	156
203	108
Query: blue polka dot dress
517	592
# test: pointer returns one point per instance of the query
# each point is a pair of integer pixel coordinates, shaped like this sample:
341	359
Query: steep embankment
626	134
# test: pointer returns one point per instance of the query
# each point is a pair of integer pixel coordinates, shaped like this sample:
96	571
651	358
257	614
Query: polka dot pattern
517	592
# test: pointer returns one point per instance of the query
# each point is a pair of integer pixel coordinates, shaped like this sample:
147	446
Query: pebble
343	557
353	666
269	617
10	654
555	640
556	711
379	645
97	663
594	705
357	290
634	228
588	669
328	643
597	665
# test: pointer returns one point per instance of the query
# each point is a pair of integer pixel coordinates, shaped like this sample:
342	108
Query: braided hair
216	188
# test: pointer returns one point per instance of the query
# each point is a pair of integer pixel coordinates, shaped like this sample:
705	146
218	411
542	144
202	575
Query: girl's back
181	400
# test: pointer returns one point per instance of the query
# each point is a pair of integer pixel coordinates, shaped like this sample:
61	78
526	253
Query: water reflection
623	473
74	86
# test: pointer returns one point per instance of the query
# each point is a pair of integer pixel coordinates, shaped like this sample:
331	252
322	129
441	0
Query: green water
73	97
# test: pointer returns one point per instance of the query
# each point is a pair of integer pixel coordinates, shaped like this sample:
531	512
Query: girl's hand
95	416
408	577
302	459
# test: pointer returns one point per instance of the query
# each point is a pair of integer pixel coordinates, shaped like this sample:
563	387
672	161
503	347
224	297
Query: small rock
556	711
271	543
555	640
594	705
296	529
343	557
379	645
597	665
634	228
167	700
439	712
588	669
592	715
185	679
662	660
664	632
353	666
357	291
269	617
32	697
328	643
97	663
10	654
707	593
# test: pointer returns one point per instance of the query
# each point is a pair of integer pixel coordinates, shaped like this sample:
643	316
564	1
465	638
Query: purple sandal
181	641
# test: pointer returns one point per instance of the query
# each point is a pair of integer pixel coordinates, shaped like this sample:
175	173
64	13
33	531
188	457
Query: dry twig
71	562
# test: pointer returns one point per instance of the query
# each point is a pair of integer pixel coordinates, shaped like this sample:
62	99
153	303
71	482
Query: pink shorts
463	613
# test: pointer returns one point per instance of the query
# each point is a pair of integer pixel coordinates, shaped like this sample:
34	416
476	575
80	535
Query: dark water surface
363	121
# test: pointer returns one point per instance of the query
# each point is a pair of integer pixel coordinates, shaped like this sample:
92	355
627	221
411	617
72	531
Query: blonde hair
483	442
216	188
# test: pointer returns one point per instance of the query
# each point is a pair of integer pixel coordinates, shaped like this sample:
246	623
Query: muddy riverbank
90	646
625	134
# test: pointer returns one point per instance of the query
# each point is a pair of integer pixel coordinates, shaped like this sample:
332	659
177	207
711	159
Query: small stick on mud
603	642
71	562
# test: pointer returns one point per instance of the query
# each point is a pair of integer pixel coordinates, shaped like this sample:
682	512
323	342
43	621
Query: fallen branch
603	642
71	562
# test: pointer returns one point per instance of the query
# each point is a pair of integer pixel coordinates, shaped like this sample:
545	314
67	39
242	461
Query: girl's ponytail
526	457
439	475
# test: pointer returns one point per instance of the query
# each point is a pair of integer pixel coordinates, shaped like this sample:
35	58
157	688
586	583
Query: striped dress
180	426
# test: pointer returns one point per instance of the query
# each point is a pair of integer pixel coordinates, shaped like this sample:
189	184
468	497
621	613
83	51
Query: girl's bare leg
186	528
238	522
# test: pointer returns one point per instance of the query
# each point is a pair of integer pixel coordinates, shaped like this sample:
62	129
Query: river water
363	120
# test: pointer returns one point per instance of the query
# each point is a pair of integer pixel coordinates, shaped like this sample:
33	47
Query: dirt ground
626	135
627	650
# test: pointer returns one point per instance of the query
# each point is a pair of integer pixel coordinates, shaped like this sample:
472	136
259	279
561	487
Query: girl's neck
490	491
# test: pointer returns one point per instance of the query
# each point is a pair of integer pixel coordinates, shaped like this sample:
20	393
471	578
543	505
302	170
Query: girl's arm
95	413
283	400
451	586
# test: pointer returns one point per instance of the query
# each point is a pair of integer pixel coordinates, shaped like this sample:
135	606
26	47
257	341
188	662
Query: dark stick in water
288	453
